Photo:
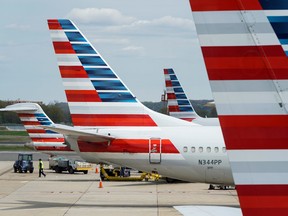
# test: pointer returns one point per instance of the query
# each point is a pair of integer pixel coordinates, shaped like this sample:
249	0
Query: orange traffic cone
96	170
100	184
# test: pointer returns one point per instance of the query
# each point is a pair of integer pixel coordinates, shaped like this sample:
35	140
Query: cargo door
155	148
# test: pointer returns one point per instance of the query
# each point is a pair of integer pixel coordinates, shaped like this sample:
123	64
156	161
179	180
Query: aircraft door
155	148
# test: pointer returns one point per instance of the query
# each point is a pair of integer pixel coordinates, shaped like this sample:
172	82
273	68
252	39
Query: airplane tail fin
179	105
96	96
244	44
32	116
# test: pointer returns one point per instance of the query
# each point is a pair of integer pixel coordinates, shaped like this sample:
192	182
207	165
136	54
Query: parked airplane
32	117
179	105
112	125
244	44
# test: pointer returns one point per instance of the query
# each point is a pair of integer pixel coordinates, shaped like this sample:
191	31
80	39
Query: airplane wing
208	210
78	134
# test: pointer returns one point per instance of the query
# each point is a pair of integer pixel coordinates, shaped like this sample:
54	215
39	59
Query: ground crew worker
41	167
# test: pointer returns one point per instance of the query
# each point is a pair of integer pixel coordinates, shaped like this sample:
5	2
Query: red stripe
188	119
245	63
30	123
126	145
82	96
63	48
166	71
112	120
73	72
171	96
43	139
263	200
53	24
168	83
244	51
32	131
255	132
52	148
174	108
224	5
25	115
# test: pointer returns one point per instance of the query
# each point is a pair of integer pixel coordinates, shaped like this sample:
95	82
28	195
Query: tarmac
79	194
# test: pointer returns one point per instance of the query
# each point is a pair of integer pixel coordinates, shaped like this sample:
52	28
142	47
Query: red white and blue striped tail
178	104
33	118
244	44
96	96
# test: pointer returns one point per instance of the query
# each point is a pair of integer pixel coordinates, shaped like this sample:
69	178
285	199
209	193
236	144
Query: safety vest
41	165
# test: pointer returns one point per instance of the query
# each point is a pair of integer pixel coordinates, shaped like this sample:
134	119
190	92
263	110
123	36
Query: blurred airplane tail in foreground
244	44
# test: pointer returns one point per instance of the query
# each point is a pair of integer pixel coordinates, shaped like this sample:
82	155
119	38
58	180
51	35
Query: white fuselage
194	154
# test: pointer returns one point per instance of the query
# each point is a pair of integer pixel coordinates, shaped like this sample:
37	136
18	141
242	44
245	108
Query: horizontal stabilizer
19	109
79	134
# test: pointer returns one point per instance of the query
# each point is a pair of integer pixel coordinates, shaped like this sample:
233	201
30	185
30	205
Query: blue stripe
170	71
39	115
45	123
186	109
181	96
274	4
183	102
116	97
280	28
42	119
283	41
66	24
83	48
282	36
51	132
175	83
108	85
75	37
278	19
100	73
178	89
173	77
91	61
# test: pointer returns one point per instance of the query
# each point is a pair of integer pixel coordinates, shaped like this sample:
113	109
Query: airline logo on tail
33	118
95	94
178	104
244	44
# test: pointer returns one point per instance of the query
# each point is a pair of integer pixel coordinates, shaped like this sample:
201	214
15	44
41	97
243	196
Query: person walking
41	167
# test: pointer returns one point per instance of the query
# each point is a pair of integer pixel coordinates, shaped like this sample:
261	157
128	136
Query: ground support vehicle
60	164
24	163
109	173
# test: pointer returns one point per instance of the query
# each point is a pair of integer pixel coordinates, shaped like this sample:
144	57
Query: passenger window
200	149
208	149
185	149
193	149
224	149
216	149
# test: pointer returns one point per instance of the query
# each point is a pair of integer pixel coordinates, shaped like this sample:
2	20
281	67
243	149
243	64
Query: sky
136	38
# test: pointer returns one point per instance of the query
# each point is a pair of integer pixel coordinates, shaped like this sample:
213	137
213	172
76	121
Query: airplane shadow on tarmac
39	205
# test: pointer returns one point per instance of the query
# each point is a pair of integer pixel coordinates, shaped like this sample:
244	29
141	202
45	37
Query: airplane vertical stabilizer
244	44
33	118
96	96
178	104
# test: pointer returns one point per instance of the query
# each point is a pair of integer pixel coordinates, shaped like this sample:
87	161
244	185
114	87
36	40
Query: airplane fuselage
194	154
